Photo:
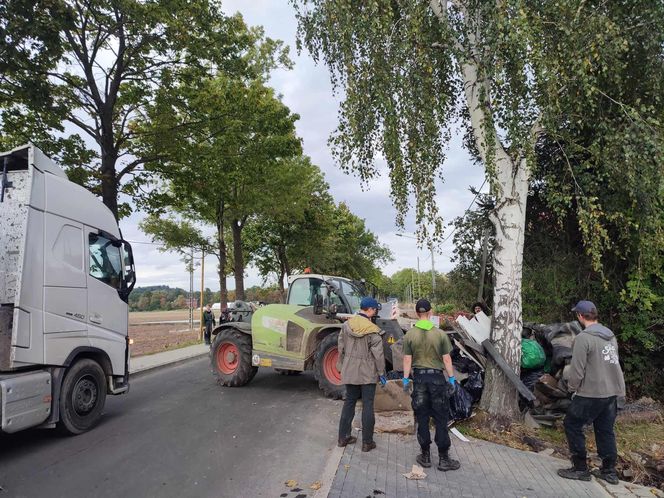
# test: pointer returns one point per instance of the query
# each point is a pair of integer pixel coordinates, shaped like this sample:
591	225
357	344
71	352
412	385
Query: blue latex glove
383	380
452	380
406	384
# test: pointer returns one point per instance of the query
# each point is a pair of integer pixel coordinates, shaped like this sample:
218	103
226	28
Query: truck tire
230	357
82	397
283	371
325	367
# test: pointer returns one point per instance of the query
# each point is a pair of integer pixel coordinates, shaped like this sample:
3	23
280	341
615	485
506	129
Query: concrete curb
329	472
169	360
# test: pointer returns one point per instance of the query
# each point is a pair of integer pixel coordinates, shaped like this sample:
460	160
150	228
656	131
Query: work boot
609	475
366	447
578	471
424	458
446	463
346	441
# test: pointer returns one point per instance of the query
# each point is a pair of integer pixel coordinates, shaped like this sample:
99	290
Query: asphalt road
177	433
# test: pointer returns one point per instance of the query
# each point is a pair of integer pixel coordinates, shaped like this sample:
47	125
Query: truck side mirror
129	272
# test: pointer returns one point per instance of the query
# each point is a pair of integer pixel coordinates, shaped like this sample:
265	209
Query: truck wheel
283	371
82	397
325	367
231	358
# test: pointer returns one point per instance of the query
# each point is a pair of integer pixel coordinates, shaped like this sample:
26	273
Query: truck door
65	302
107	313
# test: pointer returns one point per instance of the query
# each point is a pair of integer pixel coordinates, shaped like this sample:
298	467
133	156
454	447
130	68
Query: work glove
406	384
451	386
383	380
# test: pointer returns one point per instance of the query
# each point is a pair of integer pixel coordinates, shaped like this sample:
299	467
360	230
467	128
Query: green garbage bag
532	354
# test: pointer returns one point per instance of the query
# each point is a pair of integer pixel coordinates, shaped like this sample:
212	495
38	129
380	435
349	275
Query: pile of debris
542	383
549	383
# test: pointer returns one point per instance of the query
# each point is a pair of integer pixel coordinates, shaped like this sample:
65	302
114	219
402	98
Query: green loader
297	336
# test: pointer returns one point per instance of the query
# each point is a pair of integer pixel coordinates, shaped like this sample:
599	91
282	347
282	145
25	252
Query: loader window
353	295
299	292
105	260
303	290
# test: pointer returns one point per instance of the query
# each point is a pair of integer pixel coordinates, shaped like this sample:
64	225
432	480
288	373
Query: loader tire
325	367
283	371
230	358
82	397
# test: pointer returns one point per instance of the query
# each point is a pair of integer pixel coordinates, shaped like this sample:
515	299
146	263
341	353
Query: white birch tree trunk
509	180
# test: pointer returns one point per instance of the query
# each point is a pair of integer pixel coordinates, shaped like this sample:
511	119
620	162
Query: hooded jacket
361	357
595	369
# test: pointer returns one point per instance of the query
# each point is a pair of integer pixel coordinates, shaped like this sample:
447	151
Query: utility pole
191	290
419	286
412	283
485	253
202	322
433	274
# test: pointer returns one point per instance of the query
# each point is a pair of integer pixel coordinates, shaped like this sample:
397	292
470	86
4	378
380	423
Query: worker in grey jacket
597	381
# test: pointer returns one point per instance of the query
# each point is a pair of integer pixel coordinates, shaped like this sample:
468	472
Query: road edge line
330	471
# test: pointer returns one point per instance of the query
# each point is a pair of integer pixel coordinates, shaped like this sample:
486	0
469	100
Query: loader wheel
325	367
283	371
230	357
83	396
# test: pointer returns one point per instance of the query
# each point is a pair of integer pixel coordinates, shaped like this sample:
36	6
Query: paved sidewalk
148	362
487	470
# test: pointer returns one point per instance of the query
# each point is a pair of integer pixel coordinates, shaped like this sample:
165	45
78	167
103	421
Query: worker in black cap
427	350
597	382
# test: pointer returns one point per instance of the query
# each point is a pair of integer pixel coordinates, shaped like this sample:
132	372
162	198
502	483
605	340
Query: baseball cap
422	306
369	302
585	307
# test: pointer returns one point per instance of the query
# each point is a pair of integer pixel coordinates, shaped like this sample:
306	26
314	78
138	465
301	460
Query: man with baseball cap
362	364
597	381
427	349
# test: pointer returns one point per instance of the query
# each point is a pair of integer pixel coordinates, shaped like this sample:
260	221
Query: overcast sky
307	91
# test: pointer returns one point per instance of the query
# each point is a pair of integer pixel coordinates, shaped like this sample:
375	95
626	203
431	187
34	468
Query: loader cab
307	290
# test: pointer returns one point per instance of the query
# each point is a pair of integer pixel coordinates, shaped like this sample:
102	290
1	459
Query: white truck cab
65	278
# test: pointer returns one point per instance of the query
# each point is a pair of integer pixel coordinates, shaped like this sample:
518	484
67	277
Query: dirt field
154	338
136	317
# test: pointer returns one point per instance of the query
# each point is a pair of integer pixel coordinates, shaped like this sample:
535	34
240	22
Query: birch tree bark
509	183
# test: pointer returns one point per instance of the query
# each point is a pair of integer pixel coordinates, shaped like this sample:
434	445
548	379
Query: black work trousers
601	412
430	400
354	392
208	332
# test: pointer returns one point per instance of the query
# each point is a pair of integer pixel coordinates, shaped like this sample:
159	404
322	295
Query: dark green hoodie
595	368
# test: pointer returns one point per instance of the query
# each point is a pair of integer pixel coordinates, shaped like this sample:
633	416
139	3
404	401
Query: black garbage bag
530	377
461	404
474	384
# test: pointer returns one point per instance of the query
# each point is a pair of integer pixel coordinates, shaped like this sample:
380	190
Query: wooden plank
476	330
502	364
465	353
471	344
484	321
